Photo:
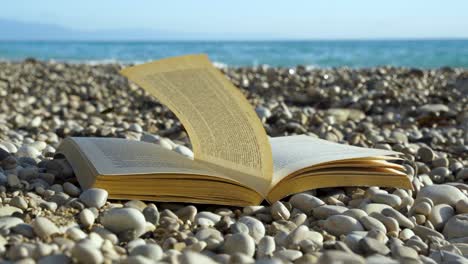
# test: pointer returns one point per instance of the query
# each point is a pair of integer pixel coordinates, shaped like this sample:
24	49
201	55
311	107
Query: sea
323	53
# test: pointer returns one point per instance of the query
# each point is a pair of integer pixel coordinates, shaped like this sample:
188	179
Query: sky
269	19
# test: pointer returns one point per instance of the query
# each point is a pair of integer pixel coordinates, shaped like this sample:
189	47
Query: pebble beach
423	113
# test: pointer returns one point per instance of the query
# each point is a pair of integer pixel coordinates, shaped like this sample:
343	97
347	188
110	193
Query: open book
235	162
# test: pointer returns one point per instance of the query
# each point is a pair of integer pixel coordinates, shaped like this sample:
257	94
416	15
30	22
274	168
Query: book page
222	126
117	156
293	153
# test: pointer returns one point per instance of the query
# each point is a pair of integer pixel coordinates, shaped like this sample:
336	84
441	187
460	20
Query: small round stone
86	253
94	197
44	228
151	251
239	243
87	218
342	225
120	220
256	227
456	226
426	154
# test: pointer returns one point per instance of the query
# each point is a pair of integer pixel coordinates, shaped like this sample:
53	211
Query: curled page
223	128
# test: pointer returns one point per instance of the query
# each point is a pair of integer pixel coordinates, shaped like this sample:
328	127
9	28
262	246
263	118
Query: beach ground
46	218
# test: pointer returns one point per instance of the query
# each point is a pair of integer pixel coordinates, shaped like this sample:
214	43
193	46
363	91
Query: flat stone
9	210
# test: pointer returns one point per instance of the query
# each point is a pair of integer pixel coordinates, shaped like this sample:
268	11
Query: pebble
441	194
279	211
456	227
425	232
325	211
373	246
462	207
7	222
256	228
337	256
305	202
371	223
151	214
303	233
440	214
426	154
401	219
183	150
150	251
385	198
87	218
342	225
239	243
44	228
86	253
71	189
120	220
94	197
266	247
19	202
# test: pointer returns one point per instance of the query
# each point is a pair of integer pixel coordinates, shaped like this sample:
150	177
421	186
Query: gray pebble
373	246
279	211
120	220
150	251
44	228
71	189
256	228
87	218
305	202
440	214
239	243
86	253
342	225
456	226
19	202
441	194
94	197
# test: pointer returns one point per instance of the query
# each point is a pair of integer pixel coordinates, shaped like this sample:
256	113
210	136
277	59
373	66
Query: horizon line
244	40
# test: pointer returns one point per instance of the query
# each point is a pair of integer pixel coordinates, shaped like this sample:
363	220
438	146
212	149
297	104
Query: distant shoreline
426	54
